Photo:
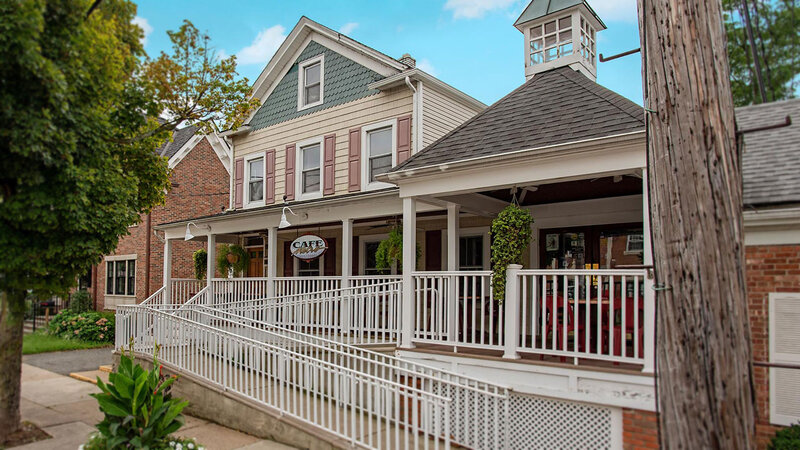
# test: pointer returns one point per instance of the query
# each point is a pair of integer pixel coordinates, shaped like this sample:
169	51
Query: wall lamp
285	223
189	236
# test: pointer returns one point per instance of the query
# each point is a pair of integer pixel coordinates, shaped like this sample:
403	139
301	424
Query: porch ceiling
569	191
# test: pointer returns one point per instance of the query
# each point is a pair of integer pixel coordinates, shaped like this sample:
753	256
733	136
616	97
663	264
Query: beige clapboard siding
440	114
339	120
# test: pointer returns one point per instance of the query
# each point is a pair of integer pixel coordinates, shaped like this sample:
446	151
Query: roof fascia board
222	150
419	75
184	150
772	217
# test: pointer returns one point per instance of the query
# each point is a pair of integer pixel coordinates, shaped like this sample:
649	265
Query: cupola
560	33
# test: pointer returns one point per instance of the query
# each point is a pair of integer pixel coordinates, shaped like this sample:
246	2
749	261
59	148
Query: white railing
182	289
156	298
285	286
367	314
232	289
580	314
456	308
370	399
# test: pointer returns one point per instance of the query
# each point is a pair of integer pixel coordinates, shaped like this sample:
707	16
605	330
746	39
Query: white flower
81	447
190	446
172	443
179	447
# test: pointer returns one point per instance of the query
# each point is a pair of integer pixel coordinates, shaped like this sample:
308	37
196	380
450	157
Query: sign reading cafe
308	247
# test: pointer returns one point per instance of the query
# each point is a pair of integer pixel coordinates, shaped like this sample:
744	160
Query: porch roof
555	107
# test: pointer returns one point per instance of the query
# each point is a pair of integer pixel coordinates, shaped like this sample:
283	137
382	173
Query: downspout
231	168
148	225
415	116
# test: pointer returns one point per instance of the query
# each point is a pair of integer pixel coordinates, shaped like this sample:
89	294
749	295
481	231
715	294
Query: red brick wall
200	186
639	429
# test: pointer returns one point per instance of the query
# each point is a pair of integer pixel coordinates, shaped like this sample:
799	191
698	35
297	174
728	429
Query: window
308	268
370	266
310	169
471	253
311	83
551	40
634	244
121	277
379	150
255	180
587	41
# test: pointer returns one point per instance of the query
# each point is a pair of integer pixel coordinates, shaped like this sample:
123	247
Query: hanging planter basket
232	258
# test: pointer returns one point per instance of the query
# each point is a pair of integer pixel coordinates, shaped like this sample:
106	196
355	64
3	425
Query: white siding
440	114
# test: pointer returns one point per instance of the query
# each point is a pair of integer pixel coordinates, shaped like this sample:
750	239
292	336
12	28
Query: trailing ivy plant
390	250
238	262
200	258
511	234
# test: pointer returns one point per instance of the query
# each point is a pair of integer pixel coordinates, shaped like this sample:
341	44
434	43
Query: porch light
189	236
285	223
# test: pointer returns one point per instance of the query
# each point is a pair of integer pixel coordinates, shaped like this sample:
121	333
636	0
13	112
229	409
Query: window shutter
354	160
355	255
403	138
269	176
784	347
290	162
329	172
330	258
238	183
288	261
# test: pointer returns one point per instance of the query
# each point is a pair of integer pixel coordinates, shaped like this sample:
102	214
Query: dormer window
551	40
587	41
310	82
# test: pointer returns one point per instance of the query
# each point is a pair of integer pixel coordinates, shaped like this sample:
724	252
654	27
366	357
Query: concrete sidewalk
61	406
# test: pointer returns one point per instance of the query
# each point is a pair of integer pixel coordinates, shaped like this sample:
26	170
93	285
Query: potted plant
200	258
390	250
232	258
511	234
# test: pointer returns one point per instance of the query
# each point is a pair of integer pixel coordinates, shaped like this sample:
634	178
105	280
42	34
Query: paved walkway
64	363
61	406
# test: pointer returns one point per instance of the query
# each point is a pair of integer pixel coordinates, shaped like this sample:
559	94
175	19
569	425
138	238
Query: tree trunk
12	315
703	356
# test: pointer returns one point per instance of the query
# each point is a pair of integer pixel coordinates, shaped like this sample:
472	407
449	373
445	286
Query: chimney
408	60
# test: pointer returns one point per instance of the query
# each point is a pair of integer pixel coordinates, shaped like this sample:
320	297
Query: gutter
418	75
772	217
244	129
416	114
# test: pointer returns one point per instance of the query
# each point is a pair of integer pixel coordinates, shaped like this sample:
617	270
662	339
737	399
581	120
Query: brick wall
639	429
200	187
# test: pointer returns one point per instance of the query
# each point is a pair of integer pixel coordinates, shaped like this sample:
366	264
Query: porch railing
182	289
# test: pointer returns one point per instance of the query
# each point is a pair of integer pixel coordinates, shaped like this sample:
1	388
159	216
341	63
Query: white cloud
474	9
145	26
348	27
426	66
263	47
616	10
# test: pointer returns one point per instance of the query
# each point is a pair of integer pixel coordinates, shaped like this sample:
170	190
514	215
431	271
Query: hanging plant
200	258
390	250
511	234
232	257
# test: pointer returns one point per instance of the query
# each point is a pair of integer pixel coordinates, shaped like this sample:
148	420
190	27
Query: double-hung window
121	277
379	152
471	253
310	179
255	180
311	82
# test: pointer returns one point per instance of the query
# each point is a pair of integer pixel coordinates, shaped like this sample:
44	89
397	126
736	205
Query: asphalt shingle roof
179	138
771	158
553	107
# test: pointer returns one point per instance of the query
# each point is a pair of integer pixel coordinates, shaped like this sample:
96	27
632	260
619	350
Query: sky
469	44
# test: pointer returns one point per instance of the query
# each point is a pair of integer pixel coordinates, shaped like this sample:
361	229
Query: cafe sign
308	247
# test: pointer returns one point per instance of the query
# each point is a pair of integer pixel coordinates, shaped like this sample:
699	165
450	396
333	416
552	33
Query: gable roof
554	107
179	138
771	158
540	8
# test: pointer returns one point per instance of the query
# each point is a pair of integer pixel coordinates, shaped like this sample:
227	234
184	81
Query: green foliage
88	326
80	301
786	439
390	250
97	441
41	342
774	24
242	259
200	258
511	234
139	411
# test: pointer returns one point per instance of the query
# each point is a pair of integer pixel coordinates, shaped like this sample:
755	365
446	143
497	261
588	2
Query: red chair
631	310
554	322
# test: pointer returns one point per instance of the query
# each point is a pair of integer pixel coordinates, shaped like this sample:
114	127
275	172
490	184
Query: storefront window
370	265
471	253
308	268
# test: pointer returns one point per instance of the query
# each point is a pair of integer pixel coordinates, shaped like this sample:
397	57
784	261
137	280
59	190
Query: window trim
301	82
776	356
115	259
246	202
368	185
487	245
298	171
296	265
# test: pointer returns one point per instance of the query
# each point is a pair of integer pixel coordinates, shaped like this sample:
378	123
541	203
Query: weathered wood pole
703	358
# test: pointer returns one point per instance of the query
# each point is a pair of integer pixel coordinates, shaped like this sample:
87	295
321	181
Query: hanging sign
308	247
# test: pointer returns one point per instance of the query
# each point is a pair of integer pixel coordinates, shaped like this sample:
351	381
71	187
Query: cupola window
551	40
587	41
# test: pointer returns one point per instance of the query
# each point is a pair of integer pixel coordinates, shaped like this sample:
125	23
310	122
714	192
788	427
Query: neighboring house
199	186
771	178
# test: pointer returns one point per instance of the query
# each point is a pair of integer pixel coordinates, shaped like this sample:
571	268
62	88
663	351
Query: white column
347	271
649	293
211	265
167	270
272	260
453	235
511	305
409	265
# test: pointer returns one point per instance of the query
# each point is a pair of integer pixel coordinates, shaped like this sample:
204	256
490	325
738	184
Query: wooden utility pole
704	370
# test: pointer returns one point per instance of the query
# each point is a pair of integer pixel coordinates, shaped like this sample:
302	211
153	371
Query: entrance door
256	267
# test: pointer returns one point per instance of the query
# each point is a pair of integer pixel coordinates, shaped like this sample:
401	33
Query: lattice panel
537	422
477	421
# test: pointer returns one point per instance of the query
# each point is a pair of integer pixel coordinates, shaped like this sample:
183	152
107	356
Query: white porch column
167	271
347	251
272	260
409	266
649	292
511	306
453	227
211	265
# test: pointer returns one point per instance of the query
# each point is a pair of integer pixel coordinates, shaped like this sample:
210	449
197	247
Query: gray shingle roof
179	137
771	158
540	8
554	107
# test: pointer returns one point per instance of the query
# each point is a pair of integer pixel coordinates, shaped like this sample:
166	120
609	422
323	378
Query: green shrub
786	439
88	326
200	258
80	301
139	411
240	256
511	234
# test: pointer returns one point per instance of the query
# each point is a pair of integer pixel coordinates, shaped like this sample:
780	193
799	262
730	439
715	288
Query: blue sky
470	44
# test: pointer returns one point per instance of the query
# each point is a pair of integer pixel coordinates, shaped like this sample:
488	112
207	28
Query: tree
774	25
703	356
80	111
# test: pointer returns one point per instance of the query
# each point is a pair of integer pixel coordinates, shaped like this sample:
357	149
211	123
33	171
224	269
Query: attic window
310	82
587	41
551	40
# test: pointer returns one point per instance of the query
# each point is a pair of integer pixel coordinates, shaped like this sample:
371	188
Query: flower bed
87	326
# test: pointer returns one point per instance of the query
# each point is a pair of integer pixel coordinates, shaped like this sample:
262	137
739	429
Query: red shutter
290	163
403	138
330	258
269	173
238	183
329	172
354	160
